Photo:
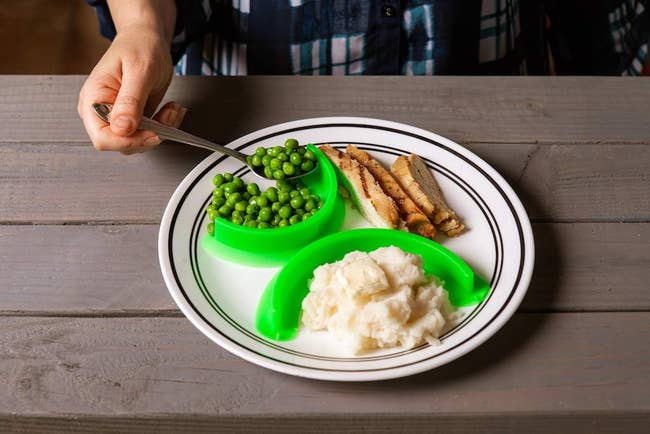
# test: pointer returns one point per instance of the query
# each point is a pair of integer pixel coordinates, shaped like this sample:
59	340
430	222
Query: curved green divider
278	311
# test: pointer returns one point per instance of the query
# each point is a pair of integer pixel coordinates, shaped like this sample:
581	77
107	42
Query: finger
129	104
104	139
171	114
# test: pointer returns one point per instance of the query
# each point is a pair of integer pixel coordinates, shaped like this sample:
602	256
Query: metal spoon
103	111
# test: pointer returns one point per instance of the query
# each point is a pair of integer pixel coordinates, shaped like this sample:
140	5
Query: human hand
133	75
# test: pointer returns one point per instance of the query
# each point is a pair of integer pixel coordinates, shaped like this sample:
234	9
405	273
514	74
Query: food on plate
377	300
280	162
412	216
288	203
418	181
377	207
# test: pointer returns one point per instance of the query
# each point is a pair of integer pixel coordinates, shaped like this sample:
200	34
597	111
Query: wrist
153	19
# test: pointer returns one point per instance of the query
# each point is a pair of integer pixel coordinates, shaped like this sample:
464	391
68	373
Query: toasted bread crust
418	182
414	219
374	204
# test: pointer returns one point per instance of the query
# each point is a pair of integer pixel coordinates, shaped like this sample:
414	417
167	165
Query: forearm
158	16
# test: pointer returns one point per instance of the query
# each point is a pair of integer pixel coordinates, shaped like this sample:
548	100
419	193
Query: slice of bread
412	216
379	209
418	182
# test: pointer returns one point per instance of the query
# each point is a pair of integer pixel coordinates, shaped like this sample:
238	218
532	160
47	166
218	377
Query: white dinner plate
220	298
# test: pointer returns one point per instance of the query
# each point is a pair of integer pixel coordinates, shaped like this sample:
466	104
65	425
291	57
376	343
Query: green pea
283	223
238	183
272	194
263	225
275	206
294	193
320	204
305	216
309	156
284	197
275	164
251	224
288	169
297	202
268	173
253	200
301	150
304	192
295	219
241	206
237	220
225	210
310	205
218	192
307	166
218	179
253	189
227	177
283	157
300	212
260	151
262	201
274	151
265	214
236	213
211	228
229	188
256	160
232	201
212	213
278	174
285	212
252	209
276	219
266	160
218	201
249	160
291	144
246	195
236	197
295	159
284	186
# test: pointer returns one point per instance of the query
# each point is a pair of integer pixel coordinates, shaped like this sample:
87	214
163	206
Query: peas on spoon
265	163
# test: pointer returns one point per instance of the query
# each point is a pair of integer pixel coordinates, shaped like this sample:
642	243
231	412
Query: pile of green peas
288	203
280	162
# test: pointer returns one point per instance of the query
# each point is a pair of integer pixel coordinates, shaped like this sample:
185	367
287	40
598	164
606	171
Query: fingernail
123	123
152	141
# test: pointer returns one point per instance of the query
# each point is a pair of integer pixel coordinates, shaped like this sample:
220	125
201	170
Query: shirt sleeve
192	22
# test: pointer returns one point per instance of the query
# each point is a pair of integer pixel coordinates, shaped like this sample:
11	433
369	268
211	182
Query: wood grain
582	363
50	183
466	109
113	270
467	423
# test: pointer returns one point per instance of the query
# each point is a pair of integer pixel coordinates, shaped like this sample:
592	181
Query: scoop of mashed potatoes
376	300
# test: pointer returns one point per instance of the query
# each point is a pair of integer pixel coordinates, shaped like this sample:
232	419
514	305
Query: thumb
130	102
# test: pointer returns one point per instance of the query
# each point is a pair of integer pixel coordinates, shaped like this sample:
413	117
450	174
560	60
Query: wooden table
91	341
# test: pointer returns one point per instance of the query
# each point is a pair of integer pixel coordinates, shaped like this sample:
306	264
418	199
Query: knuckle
127	100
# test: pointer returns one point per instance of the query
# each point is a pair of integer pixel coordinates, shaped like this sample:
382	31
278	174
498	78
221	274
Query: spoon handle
166	132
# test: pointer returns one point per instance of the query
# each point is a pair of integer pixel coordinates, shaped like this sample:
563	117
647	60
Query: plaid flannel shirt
315	37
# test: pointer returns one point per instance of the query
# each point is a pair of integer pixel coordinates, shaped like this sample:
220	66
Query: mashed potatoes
376	300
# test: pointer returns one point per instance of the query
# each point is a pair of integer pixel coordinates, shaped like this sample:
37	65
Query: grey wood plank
113	270
63	183
501	109
539	364
593	423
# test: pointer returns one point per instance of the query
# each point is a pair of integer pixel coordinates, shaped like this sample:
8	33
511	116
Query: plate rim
501	318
